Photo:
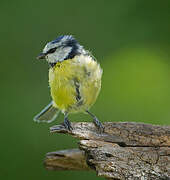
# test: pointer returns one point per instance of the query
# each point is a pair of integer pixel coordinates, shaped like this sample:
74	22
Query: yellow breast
70	78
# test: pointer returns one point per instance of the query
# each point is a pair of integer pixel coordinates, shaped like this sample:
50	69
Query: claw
67	124
98	125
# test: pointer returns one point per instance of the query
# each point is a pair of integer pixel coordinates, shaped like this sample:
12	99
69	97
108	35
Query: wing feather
48	114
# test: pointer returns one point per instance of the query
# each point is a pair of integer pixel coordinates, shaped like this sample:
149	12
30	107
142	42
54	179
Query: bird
74	80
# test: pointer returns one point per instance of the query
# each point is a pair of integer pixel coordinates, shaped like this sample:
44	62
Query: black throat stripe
77	86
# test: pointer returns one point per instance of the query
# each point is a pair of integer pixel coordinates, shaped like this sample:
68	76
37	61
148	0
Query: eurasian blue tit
74	80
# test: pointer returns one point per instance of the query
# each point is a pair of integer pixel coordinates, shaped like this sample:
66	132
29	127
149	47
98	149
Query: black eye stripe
51	50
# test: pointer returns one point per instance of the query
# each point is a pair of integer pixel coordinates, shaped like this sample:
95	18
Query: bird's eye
51	50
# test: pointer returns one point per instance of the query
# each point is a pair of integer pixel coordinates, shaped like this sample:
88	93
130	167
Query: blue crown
67	37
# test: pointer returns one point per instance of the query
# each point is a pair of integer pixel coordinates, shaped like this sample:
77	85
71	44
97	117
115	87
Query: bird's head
63	48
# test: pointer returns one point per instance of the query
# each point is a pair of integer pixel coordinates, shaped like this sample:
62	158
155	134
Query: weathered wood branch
72	159
123	151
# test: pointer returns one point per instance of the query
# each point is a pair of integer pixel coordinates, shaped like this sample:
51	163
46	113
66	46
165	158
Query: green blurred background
131	40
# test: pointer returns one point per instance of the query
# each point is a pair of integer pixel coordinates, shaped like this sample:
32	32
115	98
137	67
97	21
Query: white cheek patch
59	55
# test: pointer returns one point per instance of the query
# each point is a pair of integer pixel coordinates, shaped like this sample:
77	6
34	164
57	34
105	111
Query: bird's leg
96	121
67	123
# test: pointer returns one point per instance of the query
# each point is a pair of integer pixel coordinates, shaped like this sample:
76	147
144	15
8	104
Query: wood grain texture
124	151
72	159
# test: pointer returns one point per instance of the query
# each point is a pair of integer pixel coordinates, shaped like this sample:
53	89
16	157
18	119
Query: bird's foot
98	124
67	124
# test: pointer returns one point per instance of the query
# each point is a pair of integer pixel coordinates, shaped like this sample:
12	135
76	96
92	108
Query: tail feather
48	114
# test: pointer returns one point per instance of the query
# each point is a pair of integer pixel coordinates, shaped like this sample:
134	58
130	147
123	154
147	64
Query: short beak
41	56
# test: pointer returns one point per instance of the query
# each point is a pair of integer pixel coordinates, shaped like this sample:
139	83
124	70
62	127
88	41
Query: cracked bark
124	151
